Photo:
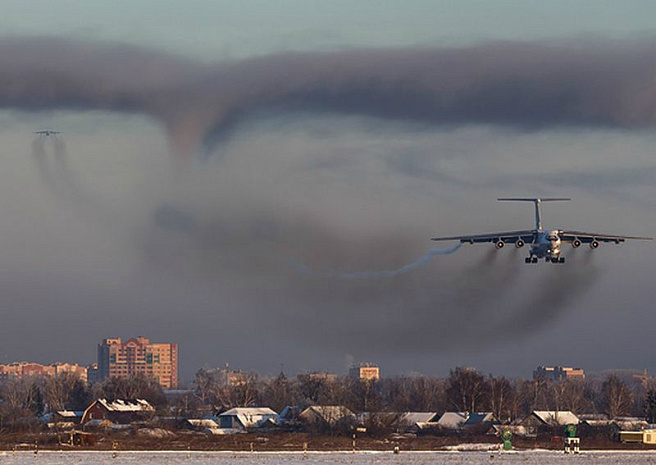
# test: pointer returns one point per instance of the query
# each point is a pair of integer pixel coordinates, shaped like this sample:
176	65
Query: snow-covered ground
359	458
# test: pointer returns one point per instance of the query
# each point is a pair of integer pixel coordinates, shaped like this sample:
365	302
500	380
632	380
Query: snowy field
360	458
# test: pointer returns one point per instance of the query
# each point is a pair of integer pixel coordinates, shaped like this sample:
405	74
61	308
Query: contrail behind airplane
384	273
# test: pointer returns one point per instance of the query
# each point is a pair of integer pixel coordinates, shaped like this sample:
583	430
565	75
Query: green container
570	430
507	437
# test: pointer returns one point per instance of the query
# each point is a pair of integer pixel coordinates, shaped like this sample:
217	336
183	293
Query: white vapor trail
379	274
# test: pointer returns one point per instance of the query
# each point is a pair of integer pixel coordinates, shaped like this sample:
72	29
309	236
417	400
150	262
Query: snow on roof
70	413
250	417
549	417
329	413
125	405
631	425
593	416
200	423
254	411
412	418
452	420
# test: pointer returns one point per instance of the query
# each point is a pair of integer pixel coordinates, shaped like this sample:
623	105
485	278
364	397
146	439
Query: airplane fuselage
546	245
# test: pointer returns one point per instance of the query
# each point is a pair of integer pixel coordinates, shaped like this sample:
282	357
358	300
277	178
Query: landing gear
531	259
561	260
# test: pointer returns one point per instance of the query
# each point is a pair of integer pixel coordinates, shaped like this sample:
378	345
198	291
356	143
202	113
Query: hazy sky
201	162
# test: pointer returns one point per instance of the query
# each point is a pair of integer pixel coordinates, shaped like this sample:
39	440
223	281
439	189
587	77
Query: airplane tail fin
537	201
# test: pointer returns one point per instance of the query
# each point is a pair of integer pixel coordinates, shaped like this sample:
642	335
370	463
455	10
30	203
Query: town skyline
101	370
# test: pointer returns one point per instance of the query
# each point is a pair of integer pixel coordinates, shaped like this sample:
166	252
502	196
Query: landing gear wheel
527	260
561	260
535	259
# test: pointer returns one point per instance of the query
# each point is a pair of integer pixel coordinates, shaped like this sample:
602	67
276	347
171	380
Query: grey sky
223	28
120	236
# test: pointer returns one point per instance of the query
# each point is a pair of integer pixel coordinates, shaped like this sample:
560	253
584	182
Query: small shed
71	416
631	436
649	436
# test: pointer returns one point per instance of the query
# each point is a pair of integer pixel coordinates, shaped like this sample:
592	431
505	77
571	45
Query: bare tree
242	392
521	403
137	386
569	394
501	395
466	389
427	394
204	382
616	397
311	386
278	393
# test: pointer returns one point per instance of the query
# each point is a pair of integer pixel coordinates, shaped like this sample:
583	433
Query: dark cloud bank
240	264
524	85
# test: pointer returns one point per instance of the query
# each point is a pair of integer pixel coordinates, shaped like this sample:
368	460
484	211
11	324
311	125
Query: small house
246	417
481	421
546	420
327	414
452	420
414	421
289	415
120	411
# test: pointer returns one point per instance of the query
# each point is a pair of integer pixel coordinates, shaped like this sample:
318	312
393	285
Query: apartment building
139	356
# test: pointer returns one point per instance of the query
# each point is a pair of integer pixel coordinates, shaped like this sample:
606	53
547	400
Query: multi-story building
323	376
365	372
558	373
139	356
24	369
226	377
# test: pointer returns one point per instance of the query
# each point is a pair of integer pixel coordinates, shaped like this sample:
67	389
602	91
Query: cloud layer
204	258
522	85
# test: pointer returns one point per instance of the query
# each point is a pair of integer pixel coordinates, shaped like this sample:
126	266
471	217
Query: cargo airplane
47	132
543	244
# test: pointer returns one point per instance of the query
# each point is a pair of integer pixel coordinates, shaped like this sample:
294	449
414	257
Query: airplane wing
509	236
586	237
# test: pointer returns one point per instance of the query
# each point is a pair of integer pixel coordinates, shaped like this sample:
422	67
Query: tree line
463	390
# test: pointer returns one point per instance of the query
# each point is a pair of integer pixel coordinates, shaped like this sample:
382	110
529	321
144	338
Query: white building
246	417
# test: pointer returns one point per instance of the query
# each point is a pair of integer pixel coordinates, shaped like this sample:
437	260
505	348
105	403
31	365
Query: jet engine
519	244
576	243
499	244
594	244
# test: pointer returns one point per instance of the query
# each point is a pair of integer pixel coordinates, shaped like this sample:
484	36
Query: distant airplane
47	132
544	244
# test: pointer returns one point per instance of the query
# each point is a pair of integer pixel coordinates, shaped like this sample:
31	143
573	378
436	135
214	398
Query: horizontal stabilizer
536	199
